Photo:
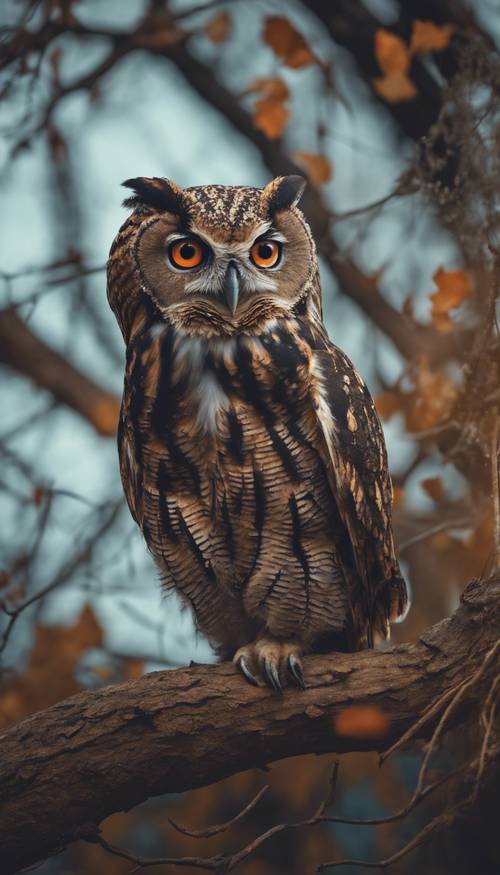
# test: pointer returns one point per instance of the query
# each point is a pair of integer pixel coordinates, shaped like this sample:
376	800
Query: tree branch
65	769
29	355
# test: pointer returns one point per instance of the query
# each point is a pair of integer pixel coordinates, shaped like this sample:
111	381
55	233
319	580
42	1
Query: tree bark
65	769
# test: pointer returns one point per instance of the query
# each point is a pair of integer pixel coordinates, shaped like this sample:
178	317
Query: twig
434	530
220	827
440	822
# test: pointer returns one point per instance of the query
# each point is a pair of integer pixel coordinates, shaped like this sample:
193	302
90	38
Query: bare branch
29	355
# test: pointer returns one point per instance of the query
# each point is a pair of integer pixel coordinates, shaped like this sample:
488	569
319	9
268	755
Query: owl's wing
356	460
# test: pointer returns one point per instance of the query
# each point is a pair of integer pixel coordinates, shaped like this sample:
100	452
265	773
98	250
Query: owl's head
218	260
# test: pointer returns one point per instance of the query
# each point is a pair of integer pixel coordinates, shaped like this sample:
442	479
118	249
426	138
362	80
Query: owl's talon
272	675
271	662
243	667
295	667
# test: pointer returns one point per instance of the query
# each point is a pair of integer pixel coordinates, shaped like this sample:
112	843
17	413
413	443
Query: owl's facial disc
218	260
227	274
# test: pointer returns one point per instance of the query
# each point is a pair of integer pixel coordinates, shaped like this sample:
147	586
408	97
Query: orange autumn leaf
133	669
391	52
388	403
393	57
218	28
361	721
454	287
50	673
395	87
433	486
429	37
287	43
317	167
270	113
432	399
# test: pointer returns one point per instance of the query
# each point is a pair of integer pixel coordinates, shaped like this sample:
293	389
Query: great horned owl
250	450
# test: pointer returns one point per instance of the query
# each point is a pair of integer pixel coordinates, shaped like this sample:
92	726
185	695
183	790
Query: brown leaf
50	674
395	87
271	115
317	167
362	721
287	43
391	52
454	287
218	28
388	403
133	669
432	399
393	57
429	37
433	486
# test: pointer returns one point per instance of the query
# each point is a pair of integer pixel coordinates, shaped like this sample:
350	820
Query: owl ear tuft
160	194
284	192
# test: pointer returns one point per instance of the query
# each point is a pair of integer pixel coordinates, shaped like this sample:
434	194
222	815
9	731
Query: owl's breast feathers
256	468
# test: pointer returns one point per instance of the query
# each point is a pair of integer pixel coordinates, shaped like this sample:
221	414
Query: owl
250	450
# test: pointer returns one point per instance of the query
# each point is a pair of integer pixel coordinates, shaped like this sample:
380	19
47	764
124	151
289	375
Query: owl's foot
271	662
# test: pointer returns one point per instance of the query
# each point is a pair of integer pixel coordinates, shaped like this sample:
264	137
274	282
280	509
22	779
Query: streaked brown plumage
250	450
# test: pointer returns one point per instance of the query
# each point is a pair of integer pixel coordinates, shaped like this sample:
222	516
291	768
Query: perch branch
64	770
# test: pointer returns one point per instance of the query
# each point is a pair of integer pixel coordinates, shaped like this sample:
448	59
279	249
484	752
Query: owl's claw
271	662
295	667
272	675
243	667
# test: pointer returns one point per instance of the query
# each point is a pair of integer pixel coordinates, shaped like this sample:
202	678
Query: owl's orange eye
186	253
266	253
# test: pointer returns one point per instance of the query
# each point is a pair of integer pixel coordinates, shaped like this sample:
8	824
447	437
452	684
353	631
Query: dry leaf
133	669
50	674
218	28
391	52
395	87
433	486
287	43
454	287
361	721
317	167
270	115
388	403
393	57
429	37
433	398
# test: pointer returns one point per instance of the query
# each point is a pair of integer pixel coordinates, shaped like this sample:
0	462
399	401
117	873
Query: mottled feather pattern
250	450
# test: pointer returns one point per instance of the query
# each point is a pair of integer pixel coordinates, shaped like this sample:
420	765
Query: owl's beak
231	287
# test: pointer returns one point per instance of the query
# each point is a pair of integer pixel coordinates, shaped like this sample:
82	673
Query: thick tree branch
65	769
29	355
